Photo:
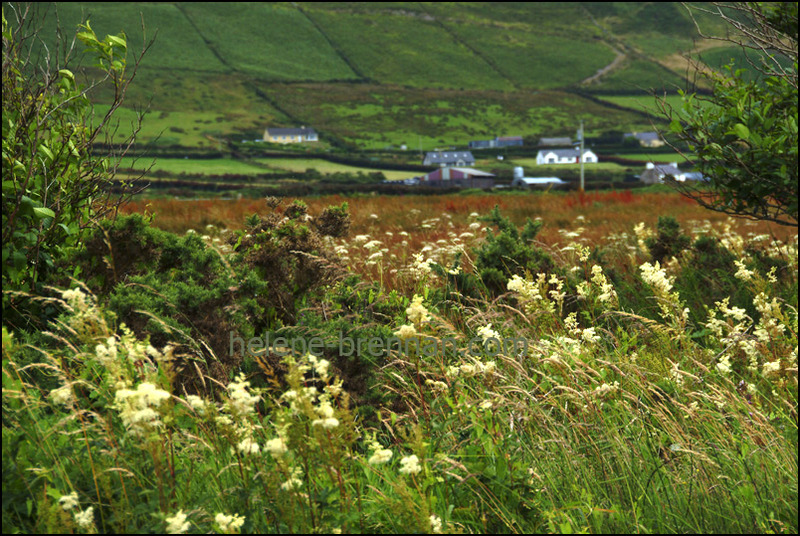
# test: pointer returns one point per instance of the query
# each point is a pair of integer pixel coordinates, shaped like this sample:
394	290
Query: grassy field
436	369
383	75
606	213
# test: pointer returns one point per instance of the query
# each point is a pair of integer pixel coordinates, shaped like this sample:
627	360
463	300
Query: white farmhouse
655	173
564	156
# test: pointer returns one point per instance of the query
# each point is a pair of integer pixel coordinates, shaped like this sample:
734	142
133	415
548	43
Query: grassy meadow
436	364
371	76
619	361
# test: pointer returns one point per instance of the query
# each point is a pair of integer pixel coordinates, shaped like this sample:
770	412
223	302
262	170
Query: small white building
520	181
290	135
655	173
564	156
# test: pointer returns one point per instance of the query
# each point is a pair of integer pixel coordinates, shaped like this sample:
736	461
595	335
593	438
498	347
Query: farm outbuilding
449	177
520	181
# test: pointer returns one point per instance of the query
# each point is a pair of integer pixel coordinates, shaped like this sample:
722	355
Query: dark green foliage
669	241
173	289
54	185
510	252
286	252
744	135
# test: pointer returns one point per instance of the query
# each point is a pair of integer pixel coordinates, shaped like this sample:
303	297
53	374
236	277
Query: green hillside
382	73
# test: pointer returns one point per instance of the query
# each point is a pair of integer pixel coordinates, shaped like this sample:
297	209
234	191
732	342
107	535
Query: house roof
555	141
644	136
303	131
437	157
473	172
539	180
664	169
561	153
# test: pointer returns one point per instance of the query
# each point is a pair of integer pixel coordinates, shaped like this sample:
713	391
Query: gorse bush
580	396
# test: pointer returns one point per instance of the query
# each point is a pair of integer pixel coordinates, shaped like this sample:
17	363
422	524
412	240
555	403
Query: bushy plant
54	186
669	240
509	252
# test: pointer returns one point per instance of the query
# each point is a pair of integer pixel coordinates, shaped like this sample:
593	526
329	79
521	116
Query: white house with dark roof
290	135
449	159
655	173
564	156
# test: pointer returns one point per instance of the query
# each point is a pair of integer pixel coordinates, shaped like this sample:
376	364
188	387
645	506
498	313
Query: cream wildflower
486	333
590	336
85	519
656	277
436	385
326	423
405	332
68	502
379	455
197	403
724	365
241	402
436	524
76	299
177	524
606	389
294	481
771	368
410	465
742	273
229	523
276	446
248	446
135	407
417	313
63	395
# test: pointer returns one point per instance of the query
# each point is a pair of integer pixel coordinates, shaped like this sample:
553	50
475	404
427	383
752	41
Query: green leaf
741	131
44	212
47	152
118	41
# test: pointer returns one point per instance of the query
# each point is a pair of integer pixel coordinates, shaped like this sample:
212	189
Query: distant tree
744	136
54	186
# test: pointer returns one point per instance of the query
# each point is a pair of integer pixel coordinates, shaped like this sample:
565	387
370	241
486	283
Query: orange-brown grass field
603	213
405	225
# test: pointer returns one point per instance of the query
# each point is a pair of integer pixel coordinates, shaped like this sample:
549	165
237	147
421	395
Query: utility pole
580	156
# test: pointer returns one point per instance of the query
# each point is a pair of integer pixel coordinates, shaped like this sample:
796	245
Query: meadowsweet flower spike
85	519
229	523
177	524
68	502
417	313
136	407
276	446
410	465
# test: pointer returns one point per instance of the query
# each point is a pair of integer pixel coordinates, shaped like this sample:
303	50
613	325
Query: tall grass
623	412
